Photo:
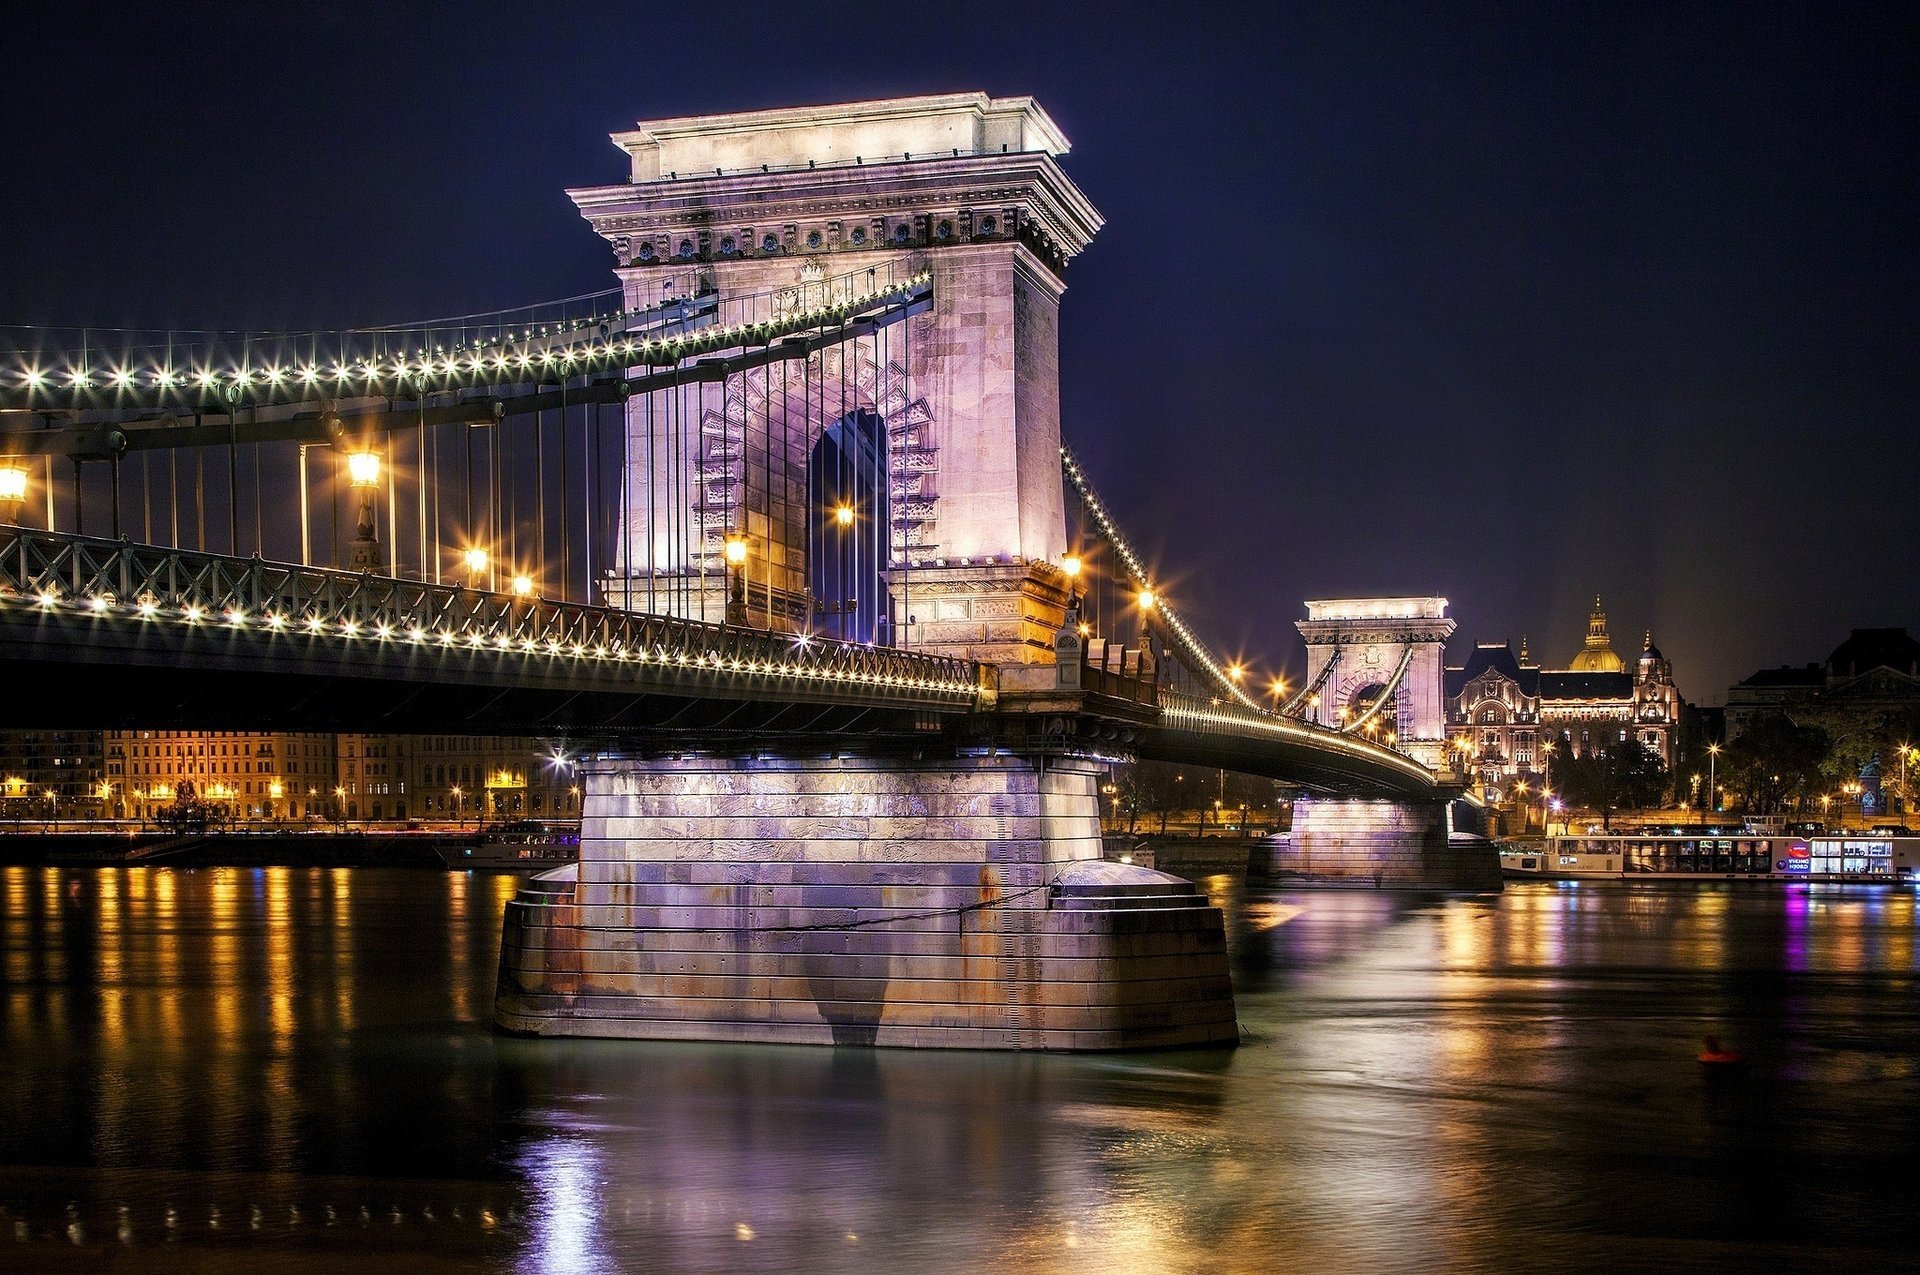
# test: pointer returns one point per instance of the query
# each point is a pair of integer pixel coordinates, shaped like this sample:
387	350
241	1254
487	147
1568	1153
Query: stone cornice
1365	632
1033	180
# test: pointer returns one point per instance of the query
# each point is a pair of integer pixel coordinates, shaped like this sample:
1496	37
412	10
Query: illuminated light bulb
384	630
236	616
194	613
205	380
349	628
315	624
476	559
523	586
123	379
844	515
275	620
147	608
416	634
98	605
363	469
35	377
13	481
308	375
1146	600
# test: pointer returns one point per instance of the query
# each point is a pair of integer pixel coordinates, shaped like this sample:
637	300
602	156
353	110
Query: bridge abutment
1387	843
959	902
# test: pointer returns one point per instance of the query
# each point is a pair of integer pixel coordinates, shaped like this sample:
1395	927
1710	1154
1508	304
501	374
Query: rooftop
940	125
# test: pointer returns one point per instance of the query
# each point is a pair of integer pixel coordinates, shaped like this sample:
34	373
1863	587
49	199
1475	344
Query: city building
49	773
1507	717
264	775
1872	676
284	777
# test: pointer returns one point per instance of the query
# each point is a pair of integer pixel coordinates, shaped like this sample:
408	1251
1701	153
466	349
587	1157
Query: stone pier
958	902
1386	843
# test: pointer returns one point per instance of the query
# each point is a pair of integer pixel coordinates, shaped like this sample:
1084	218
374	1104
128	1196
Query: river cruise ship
1714	856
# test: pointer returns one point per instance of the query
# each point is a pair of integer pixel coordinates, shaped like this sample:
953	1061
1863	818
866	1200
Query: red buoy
1714	1056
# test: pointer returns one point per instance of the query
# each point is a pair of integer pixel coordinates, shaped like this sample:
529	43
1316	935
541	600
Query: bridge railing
140	584
84	370
1213	716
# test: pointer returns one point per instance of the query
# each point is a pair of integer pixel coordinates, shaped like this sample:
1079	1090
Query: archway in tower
1382	724
847	530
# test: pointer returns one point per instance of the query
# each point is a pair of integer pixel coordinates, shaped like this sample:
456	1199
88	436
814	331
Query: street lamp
478	561
363	473
844	515
1713	761
13	487
736	554
523	586
457	821
1146	599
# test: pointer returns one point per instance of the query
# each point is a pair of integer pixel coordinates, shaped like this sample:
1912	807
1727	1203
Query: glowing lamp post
736	555
523	586
363	473
13	489
1713	758
478	562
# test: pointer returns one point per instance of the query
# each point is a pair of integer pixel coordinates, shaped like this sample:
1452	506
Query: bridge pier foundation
1386	843
951	903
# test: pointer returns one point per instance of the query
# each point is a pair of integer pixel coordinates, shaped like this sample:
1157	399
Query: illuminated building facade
255	774
279	776
44	772
1504	711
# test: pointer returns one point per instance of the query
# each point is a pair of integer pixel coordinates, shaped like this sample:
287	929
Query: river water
290	1070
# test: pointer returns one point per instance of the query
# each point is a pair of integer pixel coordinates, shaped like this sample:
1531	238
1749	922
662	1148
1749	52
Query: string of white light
1192	650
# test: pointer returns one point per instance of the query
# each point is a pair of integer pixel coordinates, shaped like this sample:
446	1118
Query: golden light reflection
1264	914
225	951
457	945
167	952
340	891
280	989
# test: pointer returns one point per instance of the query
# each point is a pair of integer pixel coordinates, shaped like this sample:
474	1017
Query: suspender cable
652	558
540	493
566	530
588	494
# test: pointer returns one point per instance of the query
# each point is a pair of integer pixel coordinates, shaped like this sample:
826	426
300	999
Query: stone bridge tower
799	206
1360	650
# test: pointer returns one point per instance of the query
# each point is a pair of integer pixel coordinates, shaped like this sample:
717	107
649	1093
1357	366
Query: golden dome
1597	655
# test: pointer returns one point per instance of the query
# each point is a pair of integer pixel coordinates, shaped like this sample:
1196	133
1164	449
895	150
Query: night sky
1515	304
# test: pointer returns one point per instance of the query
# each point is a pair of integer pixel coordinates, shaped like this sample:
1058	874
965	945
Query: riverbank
232	849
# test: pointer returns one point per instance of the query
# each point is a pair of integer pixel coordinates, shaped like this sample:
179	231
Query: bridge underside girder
1308	764
60	675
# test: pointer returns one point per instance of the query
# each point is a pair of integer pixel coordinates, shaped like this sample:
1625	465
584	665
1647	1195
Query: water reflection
289	1069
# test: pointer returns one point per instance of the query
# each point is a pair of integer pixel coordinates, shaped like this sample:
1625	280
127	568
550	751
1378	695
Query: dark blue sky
1512	303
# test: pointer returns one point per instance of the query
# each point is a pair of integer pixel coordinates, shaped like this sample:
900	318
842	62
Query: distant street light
1713	761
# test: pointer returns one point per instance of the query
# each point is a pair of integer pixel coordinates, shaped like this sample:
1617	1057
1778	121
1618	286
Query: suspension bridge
780	534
